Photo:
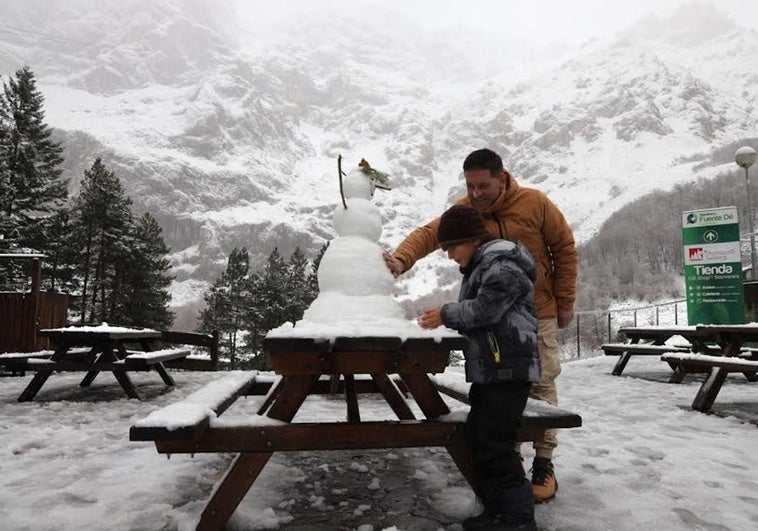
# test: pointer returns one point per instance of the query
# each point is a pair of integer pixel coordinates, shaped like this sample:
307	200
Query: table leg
351	397
393	397
272	394
165	376
126	383
621	364
88	378
464	460
679	373
95	354
231	491
710	389
34	386
294	391
425	394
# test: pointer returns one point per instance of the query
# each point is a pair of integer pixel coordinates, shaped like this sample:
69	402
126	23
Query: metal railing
592	328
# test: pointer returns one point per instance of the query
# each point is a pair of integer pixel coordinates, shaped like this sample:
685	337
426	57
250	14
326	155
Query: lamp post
745	157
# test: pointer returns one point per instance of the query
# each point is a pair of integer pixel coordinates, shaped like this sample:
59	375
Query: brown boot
544	483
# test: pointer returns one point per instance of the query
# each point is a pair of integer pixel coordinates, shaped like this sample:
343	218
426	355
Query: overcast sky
568	20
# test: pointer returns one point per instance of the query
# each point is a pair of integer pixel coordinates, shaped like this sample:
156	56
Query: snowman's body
354	283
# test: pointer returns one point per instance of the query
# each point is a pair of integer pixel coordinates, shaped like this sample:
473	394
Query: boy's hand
431	318
395	265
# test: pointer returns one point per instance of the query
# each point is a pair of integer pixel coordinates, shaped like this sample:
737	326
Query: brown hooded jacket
525	215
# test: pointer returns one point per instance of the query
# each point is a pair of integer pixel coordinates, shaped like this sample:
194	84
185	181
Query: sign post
712	266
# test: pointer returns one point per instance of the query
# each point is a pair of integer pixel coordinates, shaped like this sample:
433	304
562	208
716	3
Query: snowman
355	286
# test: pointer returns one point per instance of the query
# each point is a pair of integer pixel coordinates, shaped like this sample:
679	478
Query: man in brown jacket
515	213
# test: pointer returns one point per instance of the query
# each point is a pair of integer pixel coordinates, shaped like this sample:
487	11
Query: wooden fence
18	329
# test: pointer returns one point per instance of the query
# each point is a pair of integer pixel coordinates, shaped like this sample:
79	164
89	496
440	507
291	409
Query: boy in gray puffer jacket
495	311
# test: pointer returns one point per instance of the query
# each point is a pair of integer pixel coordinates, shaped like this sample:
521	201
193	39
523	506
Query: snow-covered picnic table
393	367
105	349
654	341
733	356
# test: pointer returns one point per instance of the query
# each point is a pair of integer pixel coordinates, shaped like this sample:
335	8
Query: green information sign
712	266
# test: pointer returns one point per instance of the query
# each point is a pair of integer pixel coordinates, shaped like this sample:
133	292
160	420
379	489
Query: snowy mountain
228	130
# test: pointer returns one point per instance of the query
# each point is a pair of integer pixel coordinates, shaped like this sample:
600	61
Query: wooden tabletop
360	355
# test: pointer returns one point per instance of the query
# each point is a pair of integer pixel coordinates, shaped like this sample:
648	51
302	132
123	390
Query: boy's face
462	253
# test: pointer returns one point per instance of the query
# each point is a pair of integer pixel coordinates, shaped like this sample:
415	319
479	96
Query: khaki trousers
547	345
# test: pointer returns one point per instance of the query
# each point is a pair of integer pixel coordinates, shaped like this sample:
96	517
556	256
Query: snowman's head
358	184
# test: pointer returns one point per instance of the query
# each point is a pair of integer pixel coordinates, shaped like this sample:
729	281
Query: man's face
482	188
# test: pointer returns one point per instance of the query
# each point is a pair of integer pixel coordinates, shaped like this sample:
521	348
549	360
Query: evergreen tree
61	256
297	286
30	164
313	274
272	292
147	278
226	303
102	229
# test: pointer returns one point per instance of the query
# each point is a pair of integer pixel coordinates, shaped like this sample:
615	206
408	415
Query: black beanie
458	224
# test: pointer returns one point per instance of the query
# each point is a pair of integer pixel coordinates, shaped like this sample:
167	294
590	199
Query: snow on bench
139	360
711	386
538	414
742	363
618	349
189	417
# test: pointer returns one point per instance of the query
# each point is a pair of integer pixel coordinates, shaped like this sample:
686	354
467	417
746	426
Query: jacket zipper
501	227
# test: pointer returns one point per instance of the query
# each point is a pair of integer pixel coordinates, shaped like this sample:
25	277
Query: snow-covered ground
642	460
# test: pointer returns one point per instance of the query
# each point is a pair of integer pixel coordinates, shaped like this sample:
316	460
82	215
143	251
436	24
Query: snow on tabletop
102	328
24	355
404	329
199	405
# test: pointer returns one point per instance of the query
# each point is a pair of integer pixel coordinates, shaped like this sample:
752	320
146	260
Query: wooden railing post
33	306
609	327
214	349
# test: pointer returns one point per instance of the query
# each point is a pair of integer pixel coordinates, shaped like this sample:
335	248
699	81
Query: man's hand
431	318
395	265
564	317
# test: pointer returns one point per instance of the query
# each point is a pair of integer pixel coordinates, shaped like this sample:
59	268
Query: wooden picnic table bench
307	367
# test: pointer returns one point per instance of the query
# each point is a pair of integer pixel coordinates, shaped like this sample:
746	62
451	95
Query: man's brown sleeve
419	243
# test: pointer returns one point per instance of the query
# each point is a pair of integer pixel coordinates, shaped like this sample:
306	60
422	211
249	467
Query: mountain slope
229	135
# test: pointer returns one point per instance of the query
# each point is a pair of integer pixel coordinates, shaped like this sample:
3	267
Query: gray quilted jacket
495	311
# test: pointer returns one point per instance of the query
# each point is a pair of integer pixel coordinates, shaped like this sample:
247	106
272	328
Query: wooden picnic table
105	349
651	341
733	339
309	366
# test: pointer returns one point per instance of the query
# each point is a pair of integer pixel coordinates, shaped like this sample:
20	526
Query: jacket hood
514	251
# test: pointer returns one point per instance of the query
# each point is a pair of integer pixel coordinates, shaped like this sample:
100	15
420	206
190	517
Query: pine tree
273	292
226	303
313	274
147	278
102	229
297	286
30	164
61	256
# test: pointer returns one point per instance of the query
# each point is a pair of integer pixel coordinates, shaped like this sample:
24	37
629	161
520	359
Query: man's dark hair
484	159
